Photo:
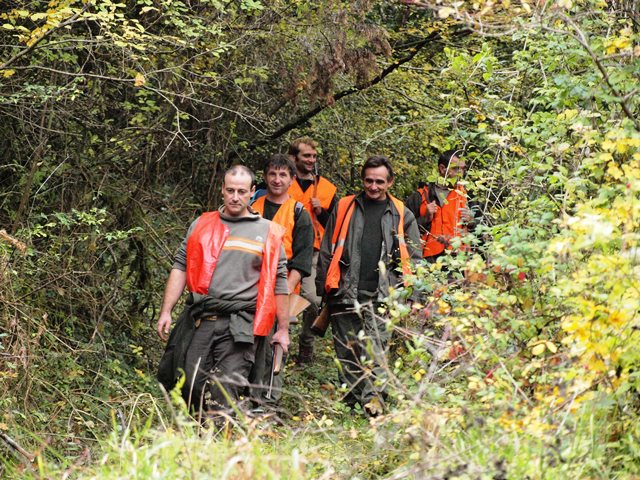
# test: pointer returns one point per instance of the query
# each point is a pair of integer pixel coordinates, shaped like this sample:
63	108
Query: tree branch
622	100
46	34
14	445
355	89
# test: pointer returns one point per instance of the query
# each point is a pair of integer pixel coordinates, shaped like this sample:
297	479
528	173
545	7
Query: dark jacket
347	292
171	365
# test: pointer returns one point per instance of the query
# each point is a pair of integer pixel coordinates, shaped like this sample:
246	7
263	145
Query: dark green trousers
216	367
308	291
362	360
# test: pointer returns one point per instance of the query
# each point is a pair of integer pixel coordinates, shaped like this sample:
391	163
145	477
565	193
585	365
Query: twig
13	241
24	52
582	40
14	445
435	360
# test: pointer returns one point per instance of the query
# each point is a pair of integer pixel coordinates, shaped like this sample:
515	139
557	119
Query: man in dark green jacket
368	238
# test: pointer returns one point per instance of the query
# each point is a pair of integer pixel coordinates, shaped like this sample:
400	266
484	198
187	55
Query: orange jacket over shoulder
203	250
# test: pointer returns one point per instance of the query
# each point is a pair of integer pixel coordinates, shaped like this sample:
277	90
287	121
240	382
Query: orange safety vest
325	191
285	216
343	218
203	250
447	221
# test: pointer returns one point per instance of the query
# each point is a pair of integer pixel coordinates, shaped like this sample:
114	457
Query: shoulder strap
424	194
297	211
344	205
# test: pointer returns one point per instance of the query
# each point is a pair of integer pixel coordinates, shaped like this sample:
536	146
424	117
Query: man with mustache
370	241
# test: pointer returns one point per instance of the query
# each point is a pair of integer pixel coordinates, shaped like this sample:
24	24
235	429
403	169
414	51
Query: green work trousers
217	368
362	359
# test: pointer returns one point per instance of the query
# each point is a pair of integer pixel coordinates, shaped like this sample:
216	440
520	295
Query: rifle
276	366
321	322
316	224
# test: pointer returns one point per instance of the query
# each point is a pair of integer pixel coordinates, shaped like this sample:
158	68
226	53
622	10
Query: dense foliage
118	119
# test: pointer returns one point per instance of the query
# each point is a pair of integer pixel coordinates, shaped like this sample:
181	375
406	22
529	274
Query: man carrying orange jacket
233	263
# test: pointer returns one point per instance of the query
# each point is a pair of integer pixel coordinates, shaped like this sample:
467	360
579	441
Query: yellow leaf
614	171
446	12
621	43
374	406
608	145
551	347
139	80
622	146
538	349
8	73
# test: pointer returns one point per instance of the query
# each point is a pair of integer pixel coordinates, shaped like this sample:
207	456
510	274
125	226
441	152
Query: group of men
241	263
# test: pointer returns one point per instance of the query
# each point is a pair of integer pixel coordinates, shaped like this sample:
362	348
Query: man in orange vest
278	206
442	212
233	263
364	232
318	195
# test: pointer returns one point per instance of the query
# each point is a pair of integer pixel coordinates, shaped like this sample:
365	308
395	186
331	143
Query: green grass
437	430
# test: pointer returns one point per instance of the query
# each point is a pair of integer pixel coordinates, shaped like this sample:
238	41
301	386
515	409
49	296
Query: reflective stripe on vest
324	191
203	250
447	221
285	216
343	219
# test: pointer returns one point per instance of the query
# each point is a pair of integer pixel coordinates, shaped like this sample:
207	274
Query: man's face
456	169
278	180
376	183
306	159
236	192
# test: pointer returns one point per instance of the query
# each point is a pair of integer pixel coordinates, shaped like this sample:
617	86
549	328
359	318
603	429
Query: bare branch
355	89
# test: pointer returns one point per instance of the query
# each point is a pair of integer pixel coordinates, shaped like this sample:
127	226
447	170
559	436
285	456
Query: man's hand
282	337
293	279
444	239
164	325
317	206
175	285
432	208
